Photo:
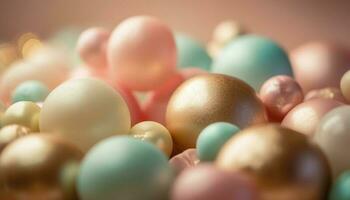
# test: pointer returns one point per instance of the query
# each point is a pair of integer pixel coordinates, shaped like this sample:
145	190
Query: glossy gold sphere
345	85
40	166
23	113
154	133
85	111
285	164
10	133
210	98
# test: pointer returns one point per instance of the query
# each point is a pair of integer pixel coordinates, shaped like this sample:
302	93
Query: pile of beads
154	114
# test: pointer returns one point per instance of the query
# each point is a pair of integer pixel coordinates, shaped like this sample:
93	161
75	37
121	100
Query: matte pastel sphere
47	66
191	52
306	116
183	160
11	133
285	164
23	113
254	59
326	93
317	65
123	167
280	94
154	133
34	91
85	111
333	136
92	47
345	85
206	182
340	189
205	99
212	138
141	53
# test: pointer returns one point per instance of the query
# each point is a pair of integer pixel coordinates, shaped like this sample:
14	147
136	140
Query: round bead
131	169
318	65
285	164
205	99
92	47
345	85
333	136
47	66
212	138
34	91
305	117
154	133
23	113
340	189
40	166
85	111
254	59
280	94
191	52
206	182
10	133
141	53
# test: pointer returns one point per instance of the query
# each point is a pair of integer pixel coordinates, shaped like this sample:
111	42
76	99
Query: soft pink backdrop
289	22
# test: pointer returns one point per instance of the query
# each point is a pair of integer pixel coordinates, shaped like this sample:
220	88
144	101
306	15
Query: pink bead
326	93
305	117
156	104
184	160
206	182
280	94
92	47
137	115
142	53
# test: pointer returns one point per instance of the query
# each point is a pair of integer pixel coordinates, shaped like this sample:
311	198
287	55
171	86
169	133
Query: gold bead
23	113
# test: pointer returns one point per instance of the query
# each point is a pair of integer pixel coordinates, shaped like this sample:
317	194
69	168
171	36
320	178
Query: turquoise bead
212	138
123	167
253	59
341	188
34	91
191	53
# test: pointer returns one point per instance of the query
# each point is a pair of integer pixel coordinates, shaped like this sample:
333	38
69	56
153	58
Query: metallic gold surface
154	133
210	98
285	164
40	166
23	113
10	133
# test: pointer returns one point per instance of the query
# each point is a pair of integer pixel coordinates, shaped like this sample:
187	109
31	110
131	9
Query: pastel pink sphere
305	117
141	53
186	159
280	94
206	182
92	47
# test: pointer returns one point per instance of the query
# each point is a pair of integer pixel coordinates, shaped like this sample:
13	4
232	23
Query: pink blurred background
289	22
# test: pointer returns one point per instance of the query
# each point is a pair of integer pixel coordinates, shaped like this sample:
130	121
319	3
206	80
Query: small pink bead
142	53
280	94
92	47
206	182
184	160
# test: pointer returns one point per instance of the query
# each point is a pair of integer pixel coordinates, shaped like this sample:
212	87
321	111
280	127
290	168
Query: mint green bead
123	167
191	53
341	188
253	59
34	91
212	138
